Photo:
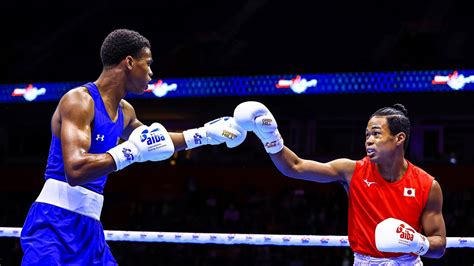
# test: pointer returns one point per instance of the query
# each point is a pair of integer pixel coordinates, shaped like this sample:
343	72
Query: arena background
203	190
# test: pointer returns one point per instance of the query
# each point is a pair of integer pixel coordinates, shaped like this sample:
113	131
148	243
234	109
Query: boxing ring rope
232	239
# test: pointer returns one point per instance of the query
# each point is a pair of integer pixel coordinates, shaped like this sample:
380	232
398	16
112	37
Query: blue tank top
105	135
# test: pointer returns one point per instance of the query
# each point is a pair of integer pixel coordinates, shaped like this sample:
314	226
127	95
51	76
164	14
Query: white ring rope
231	239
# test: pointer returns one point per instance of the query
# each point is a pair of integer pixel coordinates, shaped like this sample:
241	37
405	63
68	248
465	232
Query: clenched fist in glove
151	143
254	116
218	131
393	235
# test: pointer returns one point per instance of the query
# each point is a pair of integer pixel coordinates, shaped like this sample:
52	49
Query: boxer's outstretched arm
291	165
255	117
215	132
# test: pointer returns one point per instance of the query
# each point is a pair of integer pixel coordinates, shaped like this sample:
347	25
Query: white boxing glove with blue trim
254	116
151	143
216	132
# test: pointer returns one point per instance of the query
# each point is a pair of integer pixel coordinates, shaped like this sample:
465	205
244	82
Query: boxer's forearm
437	247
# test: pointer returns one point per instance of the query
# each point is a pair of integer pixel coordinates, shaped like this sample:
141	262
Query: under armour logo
99	137
369	182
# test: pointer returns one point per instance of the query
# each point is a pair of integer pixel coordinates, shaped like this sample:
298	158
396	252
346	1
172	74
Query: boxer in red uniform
394	206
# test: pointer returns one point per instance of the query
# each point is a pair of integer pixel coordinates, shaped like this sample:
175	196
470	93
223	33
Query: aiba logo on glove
151	137
405	233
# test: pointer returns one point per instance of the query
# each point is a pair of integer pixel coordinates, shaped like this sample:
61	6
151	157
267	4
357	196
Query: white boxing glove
254	116
393	235
217	131
151	143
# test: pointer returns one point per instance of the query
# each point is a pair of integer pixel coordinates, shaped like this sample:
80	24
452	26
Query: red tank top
372	199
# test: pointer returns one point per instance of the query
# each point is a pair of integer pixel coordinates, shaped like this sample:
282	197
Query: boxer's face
140	71
379	141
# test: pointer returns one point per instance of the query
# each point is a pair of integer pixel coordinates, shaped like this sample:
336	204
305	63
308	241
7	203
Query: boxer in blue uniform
63	225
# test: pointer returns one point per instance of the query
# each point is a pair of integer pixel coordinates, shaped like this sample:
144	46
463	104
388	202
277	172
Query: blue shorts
56	236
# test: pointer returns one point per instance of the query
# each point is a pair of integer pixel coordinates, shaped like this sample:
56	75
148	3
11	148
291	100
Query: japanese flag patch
409	192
